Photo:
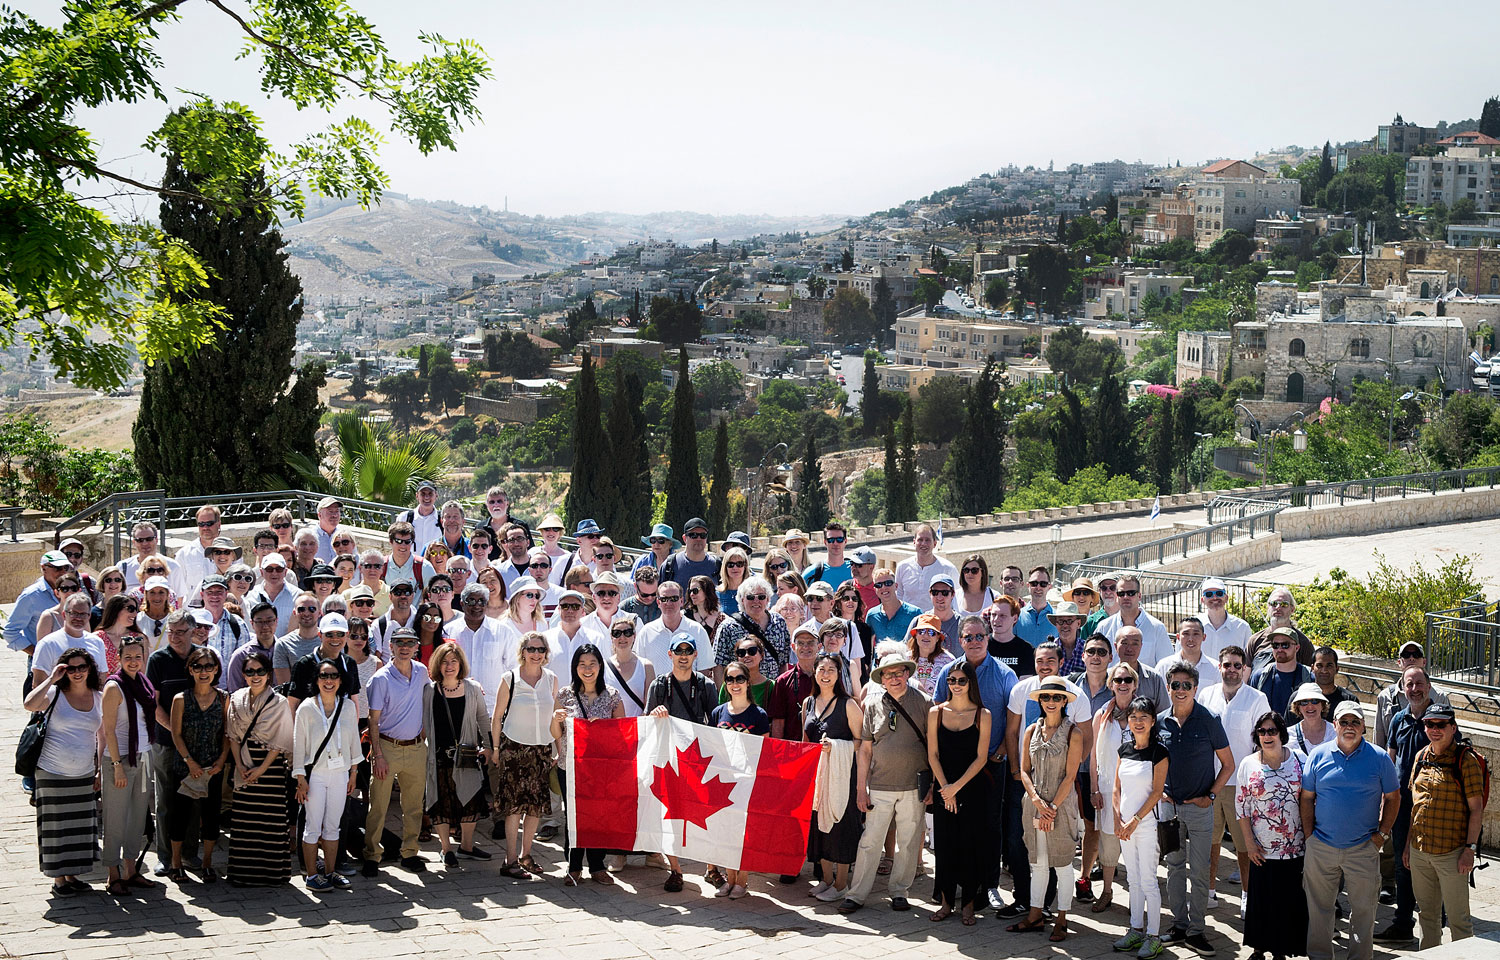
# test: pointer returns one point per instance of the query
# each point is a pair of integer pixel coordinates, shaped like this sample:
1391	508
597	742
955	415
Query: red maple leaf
685	793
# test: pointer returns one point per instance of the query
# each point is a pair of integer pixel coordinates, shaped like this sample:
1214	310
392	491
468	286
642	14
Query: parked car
1482	375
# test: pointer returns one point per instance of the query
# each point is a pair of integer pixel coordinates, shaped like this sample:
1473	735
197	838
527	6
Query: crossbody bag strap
333	727
625	685
921	733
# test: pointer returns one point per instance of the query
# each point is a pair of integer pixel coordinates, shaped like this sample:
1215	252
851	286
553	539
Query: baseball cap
683	640
153	583
1214	583
329	502
202	618
694	524
862	556
215	580
820	588
272	559
332	622
1411	645
1435	712
1348	709
55	558
70	542
571	594
942	578
426	485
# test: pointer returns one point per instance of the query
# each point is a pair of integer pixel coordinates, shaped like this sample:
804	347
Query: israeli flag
1156	508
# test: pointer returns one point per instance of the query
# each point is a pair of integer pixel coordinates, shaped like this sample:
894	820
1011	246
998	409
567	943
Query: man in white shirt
1190	649
146	541
653	641
74	633
570	631
914	575
273	589
482	640
1237	705
424	519
515	549
1220	627
606	588
1156	643
193	558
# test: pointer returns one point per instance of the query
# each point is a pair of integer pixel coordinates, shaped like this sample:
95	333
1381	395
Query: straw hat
1053	685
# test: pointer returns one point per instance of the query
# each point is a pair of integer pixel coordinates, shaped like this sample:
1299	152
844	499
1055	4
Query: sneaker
370	868
1011	910
1213	899
724	890
1097	873
615	861
1397	932
1174	935
832	893
339	880
817	888
737	891
1234	877
993	893
317	881
1132	940
1198	943
346	868
548	831
1083	892
1150	948
1387	895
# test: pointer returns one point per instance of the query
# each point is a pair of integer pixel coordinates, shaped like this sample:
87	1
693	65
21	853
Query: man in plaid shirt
1447	806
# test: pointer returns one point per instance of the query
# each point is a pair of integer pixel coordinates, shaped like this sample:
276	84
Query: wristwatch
1384	837
1212	796
1473	846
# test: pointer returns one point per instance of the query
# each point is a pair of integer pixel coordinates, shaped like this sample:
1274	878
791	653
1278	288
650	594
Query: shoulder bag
29	748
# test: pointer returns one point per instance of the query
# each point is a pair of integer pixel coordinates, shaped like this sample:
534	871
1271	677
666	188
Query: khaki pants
408	766
1321	868
1226	818
1437	883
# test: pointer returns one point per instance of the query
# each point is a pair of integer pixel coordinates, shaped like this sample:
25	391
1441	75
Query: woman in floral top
1271	829
586	698
926	650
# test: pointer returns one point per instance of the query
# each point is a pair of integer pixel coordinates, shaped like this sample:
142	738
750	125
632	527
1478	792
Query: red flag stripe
605	788
780	808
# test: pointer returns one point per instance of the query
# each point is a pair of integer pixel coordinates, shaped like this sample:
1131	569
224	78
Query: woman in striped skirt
260	734
67	773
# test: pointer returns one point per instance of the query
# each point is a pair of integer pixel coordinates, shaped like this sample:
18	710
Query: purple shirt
399	700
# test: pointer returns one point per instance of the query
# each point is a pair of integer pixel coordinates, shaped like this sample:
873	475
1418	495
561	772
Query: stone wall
1363	516
20	565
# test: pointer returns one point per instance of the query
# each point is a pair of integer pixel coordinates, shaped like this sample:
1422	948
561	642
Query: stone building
1233	195
1202	353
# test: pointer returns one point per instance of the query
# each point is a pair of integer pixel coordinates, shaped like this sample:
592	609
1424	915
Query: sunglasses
264	621
196	668
1281	646
659	541
683	651
672	598
1213	594
406	642
925	632
696	536
1436	724
1052	698
362	603
1122	681
307	609
1279	603
329	676
625	632
757	597
1127	593
969	570
834	539
1182	685
642	595
941	593
108	580
690	590
148	539
1010	579
747	652
276	526
440	590
882	584
471	602
1096	652
132	608
404	541
735	563
570	605
242	577
534	650
78	668
539	565
1351	722
204	524
736	679
975	638
254	672
432	618
68	588
1267	732
606	593
335	634
958	681
515	540
1039	583
777	567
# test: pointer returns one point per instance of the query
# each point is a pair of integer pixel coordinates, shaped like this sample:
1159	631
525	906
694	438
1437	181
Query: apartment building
1119	290
1233	195
942	342
1465	171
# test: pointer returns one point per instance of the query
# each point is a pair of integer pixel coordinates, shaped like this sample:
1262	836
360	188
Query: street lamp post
1203	469
1056	530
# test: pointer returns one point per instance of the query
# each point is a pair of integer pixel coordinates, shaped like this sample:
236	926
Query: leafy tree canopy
81	286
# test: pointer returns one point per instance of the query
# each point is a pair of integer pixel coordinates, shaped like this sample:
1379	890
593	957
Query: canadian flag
715	796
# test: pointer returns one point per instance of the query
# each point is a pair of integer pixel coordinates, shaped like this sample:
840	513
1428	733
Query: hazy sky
849	107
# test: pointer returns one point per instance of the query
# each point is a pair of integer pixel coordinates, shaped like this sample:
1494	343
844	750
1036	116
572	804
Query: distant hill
405	246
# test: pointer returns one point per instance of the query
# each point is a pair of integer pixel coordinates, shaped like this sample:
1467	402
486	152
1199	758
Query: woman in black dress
831	714
958	736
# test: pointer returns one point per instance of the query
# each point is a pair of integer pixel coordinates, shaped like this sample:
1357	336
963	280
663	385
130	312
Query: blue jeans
1013	839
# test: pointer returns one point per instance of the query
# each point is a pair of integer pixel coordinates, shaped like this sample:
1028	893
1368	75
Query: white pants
903	807
1040	869
1138	856
326	792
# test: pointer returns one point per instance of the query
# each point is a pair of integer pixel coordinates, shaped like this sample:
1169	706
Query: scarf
139	695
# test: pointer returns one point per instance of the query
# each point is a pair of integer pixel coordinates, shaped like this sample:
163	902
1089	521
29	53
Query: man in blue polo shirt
893	616
1350	797
1194	738
1032	625
996	680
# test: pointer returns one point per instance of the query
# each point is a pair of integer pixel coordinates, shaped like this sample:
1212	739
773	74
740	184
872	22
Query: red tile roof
1472	137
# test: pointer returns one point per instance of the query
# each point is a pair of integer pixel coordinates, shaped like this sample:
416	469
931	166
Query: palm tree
374	463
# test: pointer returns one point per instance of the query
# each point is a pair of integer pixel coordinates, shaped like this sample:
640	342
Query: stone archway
1294	387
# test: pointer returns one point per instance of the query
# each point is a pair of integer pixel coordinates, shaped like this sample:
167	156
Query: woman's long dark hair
967	669
584	648
92	681
139	694
838	662
113	607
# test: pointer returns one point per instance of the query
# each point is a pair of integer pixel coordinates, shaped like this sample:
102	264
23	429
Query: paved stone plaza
471	910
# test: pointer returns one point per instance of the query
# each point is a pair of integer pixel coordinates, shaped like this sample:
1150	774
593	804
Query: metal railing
1171	596
10	521
119	512
1238	508
1174	546
1381	488
1463	642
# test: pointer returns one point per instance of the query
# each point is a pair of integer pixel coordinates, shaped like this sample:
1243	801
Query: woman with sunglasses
849	604
458	731
111	583
259	727
748	654
974	592
736	711
735	569
630	674
115	624
125	777
1140	782
241	580
1269	782
1051	752
777	562
200	754
429	627
1111	731
924	645
832	714
281	521
521	730
1312	729
586	698
523	612
703	605
325	758
755	619
439	590
958	739
67	772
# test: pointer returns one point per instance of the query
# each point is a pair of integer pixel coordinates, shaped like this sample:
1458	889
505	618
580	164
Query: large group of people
277	703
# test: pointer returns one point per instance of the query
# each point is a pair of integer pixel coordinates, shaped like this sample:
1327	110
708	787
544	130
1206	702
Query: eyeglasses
1095	652
975	638
1052	697
1010	579
534	650
958	681
276	526
747	652
78	668
204	524
941	593
242	577
736	679
474	602
777	567
1182	684
439	590
883	584
1122	681
1268	732
1279	603
196	668
1127	593
515	540
668	598
152	539
329	676
623	632
264	621
1213	594
602	594
254	672
1039	583
1351	722
834	539
1435	724
757	598
362	603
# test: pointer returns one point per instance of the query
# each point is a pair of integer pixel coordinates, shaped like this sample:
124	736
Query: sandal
602	876
573	880
136	880
885	867
1026	926
1102	903
210	875
529	865
515	871
177	875
969	920
1059	931
118	888
943	913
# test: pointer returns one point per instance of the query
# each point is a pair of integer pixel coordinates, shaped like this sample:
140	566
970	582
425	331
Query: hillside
406	246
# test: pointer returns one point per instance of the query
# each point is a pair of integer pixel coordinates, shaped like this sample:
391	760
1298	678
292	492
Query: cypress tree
907	508
894	497
975	471
627	496
869	397
812	505
720	483
226	417
639	512
1070	436
592	491
1109	427
684	484
1185	429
